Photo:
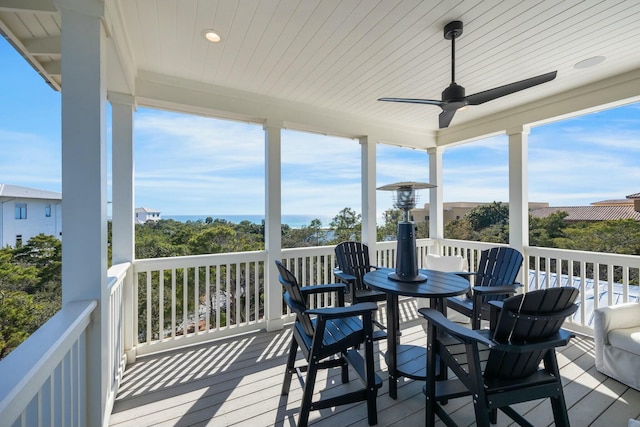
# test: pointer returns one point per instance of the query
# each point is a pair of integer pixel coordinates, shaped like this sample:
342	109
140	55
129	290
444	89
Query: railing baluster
149	325
173	303
160	305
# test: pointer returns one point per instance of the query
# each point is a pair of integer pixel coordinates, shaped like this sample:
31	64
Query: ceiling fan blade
488	95
413	101
445	118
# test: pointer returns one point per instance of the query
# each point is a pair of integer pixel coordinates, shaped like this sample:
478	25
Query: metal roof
16	191
589	213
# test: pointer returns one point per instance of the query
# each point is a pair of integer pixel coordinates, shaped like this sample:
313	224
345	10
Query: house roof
321	65
613	202
147	210
634	196
589	213
8	190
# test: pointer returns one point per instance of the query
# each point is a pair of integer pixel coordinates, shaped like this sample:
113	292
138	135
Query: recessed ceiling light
211	36
590	62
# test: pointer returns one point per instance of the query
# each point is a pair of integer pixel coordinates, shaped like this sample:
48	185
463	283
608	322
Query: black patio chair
494	280
501	368
353	264
327	338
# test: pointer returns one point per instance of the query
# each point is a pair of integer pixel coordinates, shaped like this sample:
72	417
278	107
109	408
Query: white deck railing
116	321
184	300
603	279
43	380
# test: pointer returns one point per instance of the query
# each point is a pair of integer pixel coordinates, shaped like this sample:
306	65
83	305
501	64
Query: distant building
26	212
456	210
628	208
144	215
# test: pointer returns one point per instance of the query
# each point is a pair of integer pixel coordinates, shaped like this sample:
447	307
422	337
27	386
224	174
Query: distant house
456	210
145	214
26	212
628	208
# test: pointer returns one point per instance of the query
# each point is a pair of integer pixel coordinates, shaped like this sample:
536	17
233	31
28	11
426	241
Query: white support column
368	183
122	208
272	226
84	185
518	189
436	214
123	172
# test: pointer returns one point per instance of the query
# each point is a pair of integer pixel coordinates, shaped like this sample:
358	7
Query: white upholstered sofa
617	342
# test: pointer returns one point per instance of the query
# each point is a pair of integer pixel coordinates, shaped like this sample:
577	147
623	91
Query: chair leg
291	360
344	368
559	408
372	390
307	396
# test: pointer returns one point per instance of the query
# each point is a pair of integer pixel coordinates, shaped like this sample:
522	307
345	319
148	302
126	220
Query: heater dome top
404	184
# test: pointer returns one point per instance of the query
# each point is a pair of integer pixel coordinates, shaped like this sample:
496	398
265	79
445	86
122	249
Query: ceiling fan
453	97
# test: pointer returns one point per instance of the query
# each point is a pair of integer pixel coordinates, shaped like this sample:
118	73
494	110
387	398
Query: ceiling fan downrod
452	31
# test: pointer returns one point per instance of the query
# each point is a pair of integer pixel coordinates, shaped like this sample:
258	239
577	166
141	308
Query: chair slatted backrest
527	318
498	266
353	259
295	299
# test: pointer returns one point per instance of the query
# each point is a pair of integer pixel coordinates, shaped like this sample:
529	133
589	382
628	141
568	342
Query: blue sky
191	165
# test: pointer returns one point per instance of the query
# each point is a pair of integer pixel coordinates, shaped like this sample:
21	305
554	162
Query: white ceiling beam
53	68
31	6
43	45
188	96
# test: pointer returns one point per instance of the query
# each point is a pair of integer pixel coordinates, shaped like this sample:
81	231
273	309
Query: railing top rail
311	250
117	273
595	257
26	368
198	260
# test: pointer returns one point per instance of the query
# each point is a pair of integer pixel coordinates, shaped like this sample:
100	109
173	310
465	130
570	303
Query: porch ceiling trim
169	93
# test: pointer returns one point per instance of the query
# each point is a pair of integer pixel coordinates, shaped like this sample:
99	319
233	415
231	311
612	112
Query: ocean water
293	221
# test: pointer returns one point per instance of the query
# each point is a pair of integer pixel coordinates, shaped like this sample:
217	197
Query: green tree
484	216
346	225
44	252
15	276
389	230
616	236
544	231
16	319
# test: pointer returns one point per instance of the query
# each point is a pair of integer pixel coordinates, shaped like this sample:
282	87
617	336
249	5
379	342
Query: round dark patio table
410	360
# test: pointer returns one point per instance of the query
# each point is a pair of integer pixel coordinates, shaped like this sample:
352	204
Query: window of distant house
21	211
47	211
18	240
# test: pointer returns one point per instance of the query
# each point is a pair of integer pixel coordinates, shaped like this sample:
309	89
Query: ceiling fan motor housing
454	95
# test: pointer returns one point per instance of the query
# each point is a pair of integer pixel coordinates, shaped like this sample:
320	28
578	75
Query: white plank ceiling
336	57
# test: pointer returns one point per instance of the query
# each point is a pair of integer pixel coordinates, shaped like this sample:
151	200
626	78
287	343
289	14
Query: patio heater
406	256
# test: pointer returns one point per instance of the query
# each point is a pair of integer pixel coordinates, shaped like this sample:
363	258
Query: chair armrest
461	333
317	289
350	311
559	339
343	276
496	290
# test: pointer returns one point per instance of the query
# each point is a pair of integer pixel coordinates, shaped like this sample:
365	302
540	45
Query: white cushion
617	342
627	339
449	263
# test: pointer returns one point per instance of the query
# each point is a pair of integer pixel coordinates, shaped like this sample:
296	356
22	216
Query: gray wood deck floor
236	382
